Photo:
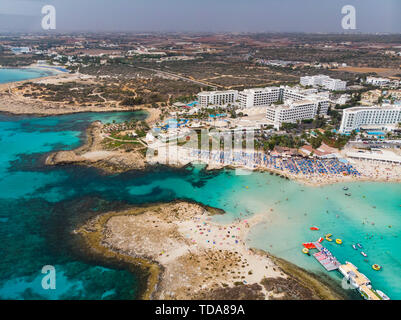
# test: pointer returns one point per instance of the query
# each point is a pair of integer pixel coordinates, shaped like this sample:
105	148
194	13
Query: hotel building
291	112
217	98
357	117
377	81
266	96
324	81
259	97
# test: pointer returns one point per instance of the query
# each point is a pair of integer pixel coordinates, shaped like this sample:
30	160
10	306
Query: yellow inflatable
376	267
305	250
339	241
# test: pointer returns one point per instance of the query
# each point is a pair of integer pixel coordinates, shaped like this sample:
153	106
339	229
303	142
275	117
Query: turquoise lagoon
39	204
19	74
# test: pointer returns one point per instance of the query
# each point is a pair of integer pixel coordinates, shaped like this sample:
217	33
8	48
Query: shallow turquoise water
36	202
14	74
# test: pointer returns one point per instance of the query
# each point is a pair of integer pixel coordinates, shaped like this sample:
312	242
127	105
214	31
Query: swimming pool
376	133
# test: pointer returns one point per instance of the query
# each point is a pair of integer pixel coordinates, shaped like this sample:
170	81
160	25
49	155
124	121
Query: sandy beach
188	256
93	153
177	156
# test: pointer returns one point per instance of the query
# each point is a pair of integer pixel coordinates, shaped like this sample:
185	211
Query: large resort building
217	98
375	116
283	104
293	111
324	81
259	97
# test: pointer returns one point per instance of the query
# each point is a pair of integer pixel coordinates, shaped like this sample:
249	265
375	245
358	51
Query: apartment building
217	98
357	117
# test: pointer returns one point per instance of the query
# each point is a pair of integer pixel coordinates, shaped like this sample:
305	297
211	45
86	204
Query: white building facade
259	97
291	112
267	96
357	117
377	81
217	98
323	81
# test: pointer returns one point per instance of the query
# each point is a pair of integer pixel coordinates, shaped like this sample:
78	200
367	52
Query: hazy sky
202	15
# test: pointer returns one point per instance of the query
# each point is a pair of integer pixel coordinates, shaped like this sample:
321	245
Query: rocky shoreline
166	243
93	154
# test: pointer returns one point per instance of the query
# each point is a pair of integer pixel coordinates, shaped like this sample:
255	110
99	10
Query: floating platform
330	263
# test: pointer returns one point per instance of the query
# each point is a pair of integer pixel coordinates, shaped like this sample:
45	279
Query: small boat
314	228
348	194
306	251
320	240
359	245
339	241
345	188
376	267
382	295
354	246
364	254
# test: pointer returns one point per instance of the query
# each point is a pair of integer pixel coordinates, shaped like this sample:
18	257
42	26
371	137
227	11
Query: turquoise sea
40	205
14	74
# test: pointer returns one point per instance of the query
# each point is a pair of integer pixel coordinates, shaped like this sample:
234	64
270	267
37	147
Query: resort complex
200	165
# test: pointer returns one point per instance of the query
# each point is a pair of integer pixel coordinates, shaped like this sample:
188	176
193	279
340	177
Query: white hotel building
217	98
291	112
298	104
259	97
377	81
374	117
324	81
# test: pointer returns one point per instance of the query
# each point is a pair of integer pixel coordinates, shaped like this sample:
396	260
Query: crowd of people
292	165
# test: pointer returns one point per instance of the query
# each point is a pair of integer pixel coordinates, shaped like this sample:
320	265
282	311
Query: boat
339	241
376	267
364	254
354	246
382	295
327	236
320	240
306	251
359	245
348	194
309	245
314	228
345	188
